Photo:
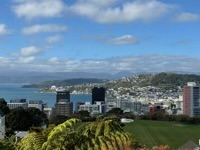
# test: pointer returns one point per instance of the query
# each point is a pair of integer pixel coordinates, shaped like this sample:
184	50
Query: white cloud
102	11
3	30
29	51
54	60
144	10
143	63
32	9
187	17
43	28
26	59
125	39
54	39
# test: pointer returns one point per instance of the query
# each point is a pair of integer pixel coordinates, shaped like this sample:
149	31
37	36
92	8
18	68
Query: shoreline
70	93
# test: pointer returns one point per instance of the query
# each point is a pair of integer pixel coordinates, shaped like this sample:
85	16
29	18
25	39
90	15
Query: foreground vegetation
150	133
73	135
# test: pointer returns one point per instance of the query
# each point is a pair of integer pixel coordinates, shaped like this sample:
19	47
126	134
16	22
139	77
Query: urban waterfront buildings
191	100
36	103
63	96
98	94
18	103
63	106
2	125
93	109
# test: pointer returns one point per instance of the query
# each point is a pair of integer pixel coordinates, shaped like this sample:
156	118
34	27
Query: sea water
14	91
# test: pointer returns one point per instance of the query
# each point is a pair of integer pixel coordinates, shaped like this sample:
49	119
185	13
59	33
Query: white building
36	103
93	109
17	103
2	125
48	112
112	103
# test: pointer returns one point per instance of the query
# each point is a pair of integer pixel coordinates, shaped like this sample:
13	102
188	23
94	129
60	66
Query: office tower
191	100
63	106
63	96
98	94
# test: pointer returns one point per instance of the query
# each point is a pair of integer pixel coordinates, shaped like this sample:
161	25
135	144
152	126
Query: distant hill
162	80
174	79
67	82
37	77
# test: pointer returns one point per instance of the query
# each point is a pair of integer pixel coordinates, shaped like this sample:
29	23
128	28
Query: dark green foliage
9	132
56	120
37	116
162	116
128	116
6	145
83	113
3	106
115	111
173	80
22	119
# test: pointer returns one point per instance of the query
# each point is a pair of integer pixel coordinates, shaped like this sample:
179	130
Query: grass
151	133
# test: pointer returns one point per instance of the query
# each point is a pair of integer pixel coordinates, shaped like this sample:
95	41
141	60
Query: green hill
172	79
67	82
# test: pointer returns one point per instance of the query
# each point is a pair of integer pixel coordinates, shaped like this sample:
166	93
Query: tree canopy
21	119
115	111
3	106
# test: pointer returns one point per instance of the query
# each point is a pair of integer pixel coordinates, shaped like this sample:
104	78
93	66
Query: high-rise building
98	94
63	96
191	100
63	106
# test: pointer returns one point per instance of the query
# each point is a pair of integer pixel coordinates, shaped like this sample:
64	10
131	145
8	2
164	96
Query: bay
14	91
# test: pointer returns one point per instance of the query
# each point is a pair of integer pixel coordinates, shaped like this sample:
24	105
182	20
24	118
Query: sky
102	36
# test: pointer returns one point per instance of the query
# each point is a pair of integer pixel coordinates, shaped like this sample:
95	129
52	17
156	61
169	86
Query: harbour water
14	91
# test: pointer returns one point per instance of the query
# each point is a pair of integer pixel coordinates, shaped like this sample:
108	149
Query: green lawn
151	133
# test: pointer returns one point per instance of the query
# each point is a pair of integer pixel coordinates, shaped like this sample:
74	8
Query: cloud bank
102	11
145	63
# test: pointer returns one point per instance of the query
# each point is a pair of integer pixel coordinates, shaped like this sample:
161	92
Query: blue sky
100	35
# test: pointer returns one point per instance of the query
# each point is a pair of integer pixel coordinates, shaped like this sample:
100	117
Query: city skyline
99	36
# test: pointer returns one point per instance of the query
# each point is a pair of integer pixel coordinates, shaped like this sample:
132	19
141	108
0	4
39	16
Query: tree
18	119
37	116
6	145
115	111
56	120
21	119
3	106
83	113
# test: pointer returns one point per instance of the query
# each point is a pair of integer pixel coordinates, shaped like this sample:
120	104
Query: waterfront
14	91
